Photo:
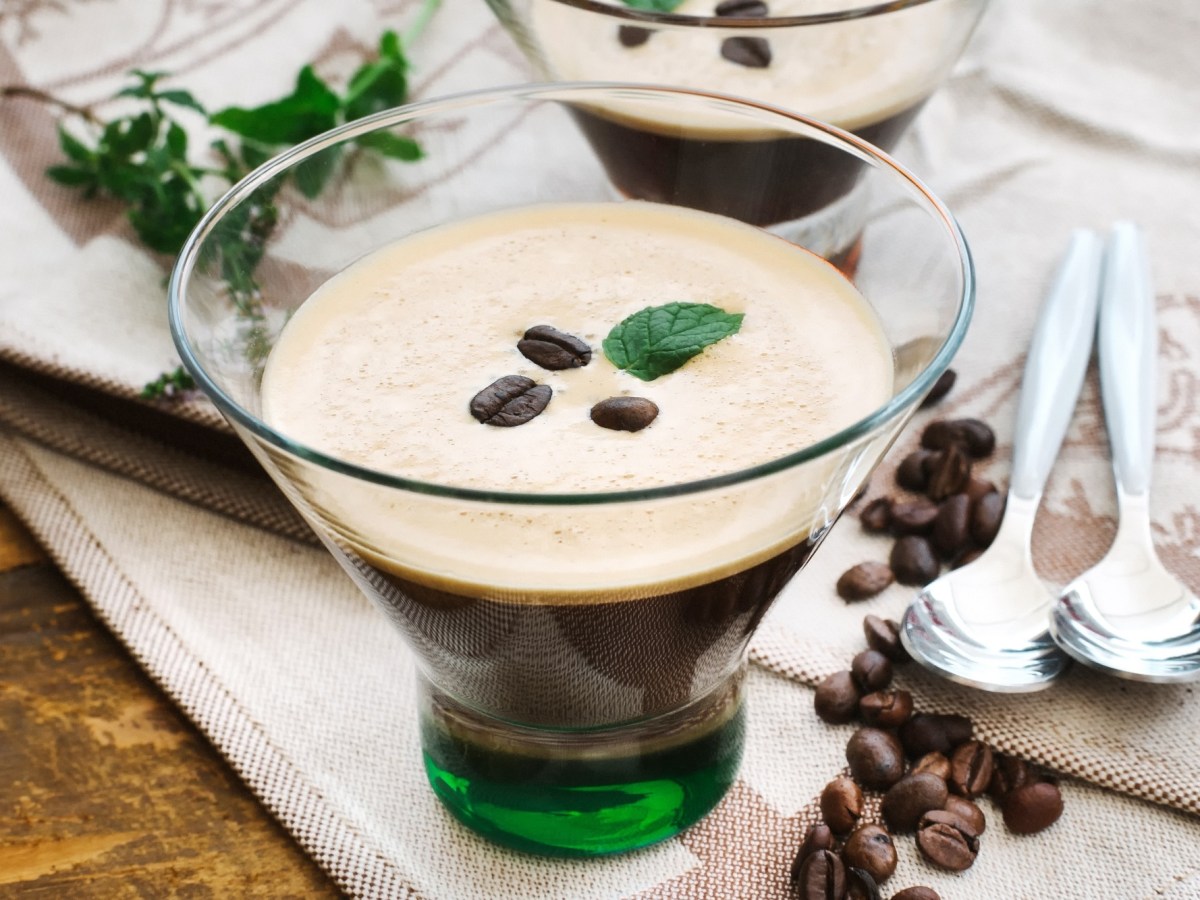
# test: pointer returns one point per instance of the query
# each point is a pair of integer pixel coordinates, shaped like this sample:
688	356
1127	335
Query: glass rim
904	400
652	17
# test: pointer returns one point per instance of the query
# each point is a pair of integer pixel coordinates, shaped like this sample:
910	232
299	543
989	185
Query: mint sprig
659	339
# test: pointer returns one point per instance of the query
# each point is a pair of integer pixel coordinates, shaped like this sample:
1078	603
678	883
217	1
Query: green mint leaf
661	6
73	148
392	145
182	98
378	85
310	109
311	175
70	176
660	339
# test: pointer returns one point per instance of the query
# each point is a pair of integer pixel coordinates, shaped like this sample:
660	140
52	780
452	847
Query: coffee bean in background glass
742	9
871	670
841	804
986	515
552	349
966	810
752	52
971	768
883	635
950	474
913	516
946	841
624	413
940	388
912	474
860	885
876	758
929	732
818	837
821	877
951	533
910	798
632	36
870	847
913	561
920	892
837	697
1032	807
876	516
885	709
864	581
934	763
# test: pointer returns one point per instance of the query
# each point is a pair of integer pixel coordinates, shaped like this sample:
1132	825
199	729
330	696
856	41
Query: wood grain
106	790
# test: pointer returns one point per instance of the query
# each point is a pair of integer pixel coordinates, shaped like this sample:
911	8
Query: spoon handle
1127	344
1057	361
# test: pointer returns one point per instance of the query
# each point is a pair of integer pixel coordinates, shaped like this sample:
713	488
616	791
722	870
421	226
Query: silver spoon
1127	615
986	624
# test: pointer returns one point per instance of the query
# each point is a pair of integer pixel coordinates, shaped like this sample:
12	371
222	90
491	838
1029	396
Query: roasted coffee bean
886	709
951	529
966	810
979	487
912	473
554	349
864	581
818	837
940	388
929	732
624	413
1032	807
986	515
742	9
913	562
884	635
876	515
509	401
974	436
841	804
1008	774
920	892
870	847
913	517
632	35
933	763
967	557
837	698
910	798
947	844
872	670
971	768
945	817
752	52
876	758
860	885
822	877
950	474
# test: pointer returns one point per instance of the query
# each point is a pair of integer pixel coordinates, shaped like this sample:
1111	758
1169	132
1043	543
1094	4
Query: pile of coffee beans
930	771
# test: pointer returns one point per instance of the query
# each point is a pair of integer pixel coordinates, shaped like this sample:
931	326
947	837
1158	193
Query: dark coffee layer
762	182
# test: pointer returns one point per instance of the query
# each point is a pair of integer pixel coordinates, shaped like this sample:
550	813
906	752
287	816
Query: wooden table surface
106	789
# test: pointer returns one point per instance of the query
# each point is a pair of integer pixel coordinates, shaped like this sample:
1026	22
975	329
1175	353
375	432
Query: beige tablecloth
1063	114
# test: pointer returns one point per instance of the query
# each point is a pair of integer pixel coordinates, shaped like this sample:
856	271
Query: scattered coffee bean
872	670
860	885
1008	774
876	516
951	529
913	517
886	709
870	848
864	581
1032	807
966	810
632	35
971	768
913	562
947	844
967	557
943	817
821	877
624	413
884	635
752	52
819	837
934	763
912	474
950	474
976	437
742	9
876	758
837	698
929	732
510	401
986	515
841	804
554	349
919	892
910	798
940	388
979	487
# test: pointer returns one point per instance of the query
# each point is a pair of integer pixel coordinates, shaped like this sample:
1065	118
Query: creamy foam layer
851	74
379	365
